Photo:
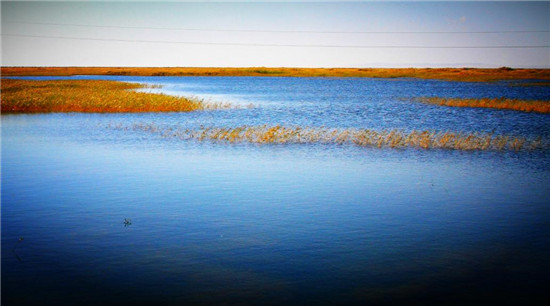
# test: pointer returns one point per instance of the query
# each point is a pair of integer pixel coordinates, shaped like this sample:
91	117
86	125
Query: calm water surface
215	223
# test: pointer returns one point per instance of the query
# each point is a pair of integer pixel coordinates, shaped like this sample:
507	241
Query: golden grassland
455	74
90	96
277	134
538	106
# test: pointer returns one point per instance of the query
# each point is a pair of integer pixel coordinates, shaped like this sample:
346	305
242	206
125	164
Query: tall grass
457	74
90	96
538	106
277	134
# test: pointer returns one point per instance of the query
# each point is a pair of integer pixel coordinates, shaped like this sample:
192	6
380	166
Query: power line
277	45
281	31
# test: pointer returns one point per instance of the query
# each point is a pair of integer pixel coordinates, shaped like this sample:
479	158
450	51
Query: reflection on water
92	215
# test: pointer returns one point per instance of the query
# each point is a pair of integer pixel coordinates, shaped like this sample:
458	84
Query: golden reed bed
90	96
277	134
538	106
456	74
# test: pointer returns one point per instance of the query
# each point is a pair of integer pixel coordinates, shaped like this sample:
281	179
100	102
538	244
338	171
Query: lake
97	212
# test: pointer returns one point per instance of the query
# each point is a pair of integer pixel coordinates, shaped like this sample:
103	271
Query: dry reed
455	74
21	96
277	134
538	106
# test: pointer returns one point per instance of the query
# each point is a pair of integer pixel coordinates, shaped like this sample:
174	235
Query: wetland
294	190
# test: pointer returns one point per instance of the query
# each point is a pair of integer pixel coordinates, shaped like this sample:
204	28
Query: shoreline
450	74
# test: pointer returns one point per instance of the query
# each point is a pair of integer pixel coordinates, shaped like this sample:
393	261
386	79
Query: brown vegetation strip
538	106
90	96
361	137
455	74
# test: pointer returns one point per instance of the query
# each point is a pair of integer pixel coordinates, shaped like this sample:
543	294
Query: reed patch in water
91	96
277	134
538	106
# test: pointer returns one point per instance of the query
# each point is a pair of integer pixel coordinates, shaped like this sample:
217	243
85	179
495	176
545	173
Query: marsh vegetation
91	96
538	106
277	134
109	96
455	74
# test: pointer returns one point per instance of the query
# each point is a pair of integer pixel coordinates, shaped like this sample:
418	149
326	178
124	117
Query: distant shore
454	74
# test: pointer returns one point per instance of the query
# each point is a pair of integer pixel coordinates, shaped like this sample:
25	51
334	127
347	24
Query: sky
276	34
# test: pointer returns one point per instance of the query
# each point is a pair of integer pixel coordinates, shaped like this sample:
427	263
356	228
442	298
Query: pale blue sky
122	34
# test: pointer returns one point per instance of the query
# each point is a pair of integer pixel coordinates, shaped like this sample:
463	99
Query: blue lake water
218	223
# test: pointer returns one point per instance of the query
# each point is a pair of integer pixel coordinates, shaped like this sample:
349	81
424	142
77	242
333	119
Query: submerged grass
455	74
277	134
90	96
538	106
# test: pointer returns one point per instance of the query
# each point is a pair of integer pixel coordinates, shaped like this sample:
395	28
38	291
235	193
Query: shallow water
215	223
378	104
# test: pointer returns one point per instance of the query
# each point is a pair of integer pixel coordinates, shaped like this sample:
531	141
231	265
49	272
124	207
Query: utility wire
280	31
278	45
